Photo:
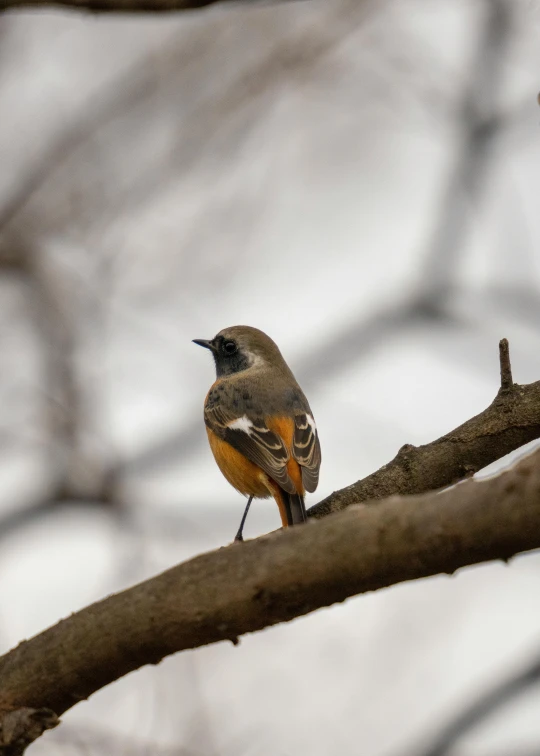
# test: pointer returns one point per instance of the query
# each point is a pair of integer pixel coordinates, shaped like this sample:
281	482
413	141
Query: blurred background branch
498	696
121	6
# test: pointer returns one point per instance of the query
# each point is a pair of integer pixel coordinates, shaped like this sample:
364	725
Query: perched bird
259	423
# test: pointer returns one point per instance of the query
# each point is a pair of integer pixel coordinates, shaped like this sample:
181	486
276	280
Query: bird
260	426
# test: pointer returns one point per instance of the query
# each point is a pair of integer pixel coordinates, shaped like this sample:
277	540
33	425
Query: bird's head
242	347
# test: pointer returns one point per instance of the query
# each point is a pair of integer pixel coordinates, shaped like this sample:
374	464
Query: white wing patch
241	423
311	423
246	425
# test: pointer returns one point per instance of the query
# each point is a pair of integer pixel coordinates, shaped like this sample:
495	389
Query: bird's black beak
205	343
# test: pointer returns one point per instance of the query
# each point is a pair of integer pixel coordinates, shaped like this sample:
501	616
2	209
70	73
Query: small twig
506	369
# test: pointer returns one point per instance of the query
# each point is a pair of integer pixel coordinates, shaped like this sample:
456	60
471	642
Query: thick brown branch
512	420
244	588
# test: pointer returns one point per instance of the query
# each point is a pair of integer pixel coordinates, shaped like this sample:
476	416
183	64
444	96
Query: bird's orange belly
242	474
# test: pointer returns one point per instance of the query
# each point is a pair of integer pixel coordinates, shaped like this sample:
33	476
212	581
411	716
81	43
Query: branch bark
244	588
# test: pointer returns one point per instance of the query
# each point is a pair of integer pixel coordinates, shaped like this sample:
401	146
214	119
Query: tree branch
512	420
243	588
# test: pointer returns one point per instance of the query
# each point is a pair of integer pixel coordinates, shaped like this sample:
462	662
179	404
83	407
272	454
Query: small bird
259	423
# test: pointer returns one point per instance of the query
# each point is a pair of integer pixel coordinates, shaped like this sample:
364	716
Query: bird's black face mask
228	356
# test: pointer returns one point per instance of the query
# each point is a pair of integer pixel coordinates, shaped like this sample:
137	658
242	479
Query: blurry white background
358	179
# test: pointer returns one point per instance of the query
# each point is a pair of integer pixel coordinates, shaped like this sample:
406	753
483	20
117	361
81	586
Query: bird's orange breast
242	474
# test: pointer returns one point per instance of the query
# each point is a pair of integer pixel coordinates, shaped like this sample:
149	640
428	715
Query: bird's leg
239	536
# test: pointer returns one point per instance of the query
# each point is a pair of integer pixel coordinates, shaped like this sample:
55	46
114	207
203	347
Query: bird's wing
252	438
306	449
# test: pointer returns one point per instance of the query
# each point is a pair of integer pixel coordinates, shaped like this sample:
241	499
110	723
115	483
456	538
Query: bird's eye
229	347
